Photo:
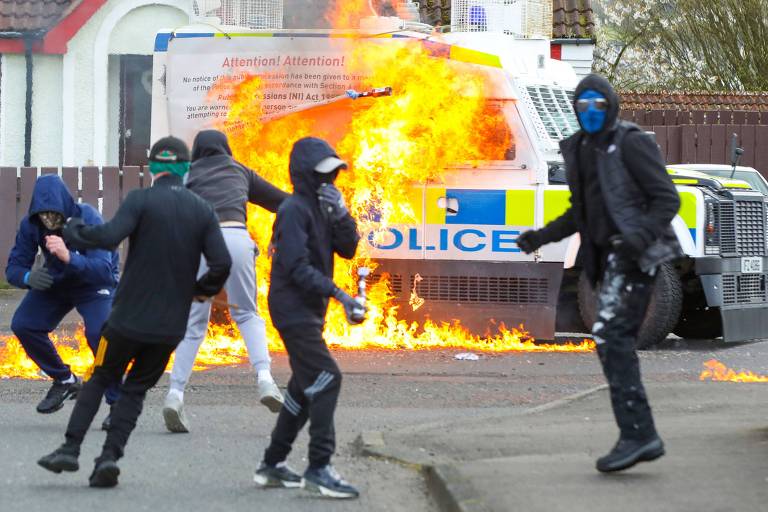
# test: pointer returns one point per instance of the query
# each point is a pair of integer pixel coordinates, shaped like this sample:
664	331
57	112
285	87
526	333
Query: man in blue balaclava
622	204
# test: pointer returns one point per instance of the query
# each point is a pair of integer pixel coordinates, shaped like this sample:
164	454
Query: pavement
422	431
542	458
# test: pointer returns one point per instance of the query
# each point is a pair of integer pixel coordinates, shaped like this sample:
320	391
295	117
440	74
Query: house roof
573	19
33	15
694	101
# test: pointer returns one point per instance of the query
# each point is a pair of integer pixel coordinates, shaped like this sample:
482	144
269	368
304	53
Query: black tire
700	324
663	311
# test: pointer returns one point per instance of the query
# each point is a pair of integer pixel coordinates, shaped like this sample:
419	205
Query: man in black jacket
622	204
311	226
169	228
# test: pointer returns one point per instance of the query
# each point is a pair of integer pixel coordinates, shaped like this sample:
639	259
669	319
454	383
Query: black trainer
54	399
276	476
108	420
104	474
60	460
629	452
327	482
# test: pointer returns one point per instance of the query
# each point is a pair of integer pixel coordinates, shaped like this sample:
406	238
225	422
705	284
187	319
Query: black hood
210	143
600	84
305	155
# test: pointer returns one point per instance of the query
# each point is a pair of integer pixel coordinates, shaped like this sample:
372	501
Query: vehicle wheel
663	311
699	324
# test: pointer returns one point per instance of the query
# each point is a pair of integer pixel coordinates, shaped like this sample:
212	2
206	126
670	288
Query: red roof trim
56	39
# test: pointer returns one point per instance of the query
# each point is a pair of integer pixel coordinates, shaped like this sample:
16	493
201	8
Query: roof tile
33	15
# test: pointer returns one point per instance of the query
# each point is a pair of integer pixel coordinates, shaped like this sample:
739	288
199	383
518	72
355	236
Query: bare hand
57	247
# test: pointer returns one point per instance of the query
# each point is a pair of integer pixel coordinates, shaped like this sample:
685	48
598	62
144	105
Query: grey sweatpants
241	290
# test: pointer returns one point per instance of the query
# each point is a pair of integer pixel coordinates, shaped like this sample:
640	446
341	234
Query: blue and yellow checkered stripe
482	207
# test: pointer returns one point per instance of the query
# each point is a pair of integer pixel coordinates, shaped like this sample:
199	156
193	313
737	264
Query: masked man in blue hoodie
67	279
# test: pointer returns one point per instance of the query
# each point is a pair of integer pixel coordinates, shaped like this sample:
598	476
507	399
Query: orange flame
348	13
439	115
716	371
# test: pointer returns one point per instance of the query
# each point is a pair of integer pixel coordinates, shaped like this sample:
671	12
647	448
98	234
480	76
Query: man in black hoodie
622	204
216	177
311	226
169	228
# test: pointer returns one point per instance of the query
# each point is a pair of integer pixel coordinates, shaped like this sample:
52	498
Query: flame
439	115
348	13
415	301
716	371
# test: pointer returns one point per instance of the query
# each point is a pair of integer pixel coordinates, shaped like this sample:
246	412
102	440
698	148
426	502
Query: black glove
529	241
630	246
39	279
354	310
331	202
70	231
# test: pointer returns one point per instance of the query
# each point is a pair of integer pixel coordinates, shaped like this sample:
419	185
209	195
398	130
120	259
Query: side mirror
736	151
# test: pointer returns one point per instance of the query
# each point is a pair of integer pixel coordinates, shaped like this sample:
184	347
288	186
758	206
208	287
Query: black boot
629	452
105	472
63	458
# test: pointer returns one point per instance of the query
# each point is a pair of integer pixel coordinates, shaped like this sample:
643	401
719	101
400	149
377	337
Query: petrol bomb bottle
362	275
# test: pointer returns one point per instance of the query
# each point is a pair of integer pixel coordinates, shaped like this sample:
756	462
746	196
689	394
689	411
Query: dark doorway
135	108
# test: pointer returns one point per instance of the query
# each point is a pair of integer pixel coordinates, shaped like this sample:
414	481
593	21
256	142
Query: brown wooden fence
701	143
103	187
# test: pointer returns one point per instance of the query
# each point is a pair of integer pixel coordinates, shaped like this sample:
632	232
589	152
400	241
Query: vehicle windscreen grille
395	282
727	228
750	232
744	289
553	105
480	289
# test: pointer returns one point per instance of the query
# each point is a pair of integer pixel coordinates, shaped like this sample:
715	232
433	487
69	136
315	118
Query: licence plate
751	265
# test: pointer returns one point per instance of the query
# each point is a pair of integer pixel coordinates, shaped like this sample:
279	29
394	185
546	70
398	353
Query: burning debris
716	371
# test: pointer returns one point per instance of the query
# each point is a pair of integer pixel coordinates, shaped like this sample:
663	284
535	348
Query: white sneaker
173	414
269	395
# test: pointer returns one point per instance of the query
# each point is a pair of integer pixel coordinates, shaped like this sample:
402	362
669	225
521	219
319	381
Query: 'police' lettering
504	241
458	240
386	247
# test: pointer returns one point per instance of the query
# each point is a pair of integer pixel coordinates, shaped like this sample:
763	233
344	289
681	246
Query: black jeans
312	395
622	302
112	358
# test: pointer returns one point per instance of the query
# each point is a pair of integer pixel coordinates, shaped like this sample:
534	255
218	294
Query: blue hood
52	195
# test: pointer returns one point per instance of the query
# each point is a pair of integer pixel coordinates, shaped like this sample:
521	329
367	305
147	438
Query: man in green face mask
170	228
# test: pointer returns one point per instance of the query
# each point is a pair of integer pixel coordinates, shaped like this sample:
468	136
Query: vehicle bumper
482	295
742	298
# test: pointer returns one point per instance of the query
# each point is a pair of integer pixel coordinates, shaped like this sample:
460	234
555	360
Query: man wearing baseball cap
170	228
312	225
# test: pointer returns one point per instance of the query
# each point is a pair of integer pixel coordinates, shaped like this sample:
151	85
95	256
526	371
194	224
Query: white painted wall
580	56
89	93
46	111
12	95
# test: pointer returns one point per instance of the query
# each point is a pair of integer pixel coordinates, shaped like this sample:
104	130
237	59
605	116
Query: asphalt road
211	468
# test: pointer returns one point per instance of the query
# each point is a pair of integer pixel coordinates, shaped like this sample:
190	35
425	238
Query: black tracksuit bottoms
622	301
112	359
313	391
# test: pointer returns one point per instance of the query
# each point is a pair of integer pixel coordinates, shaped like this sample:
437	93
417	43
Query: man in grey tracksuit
216	177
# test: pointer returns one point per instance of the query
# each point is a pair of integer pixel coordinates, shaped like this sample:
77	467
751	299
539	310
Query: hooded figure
311	226
86	270
228	186
622	205
84	280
